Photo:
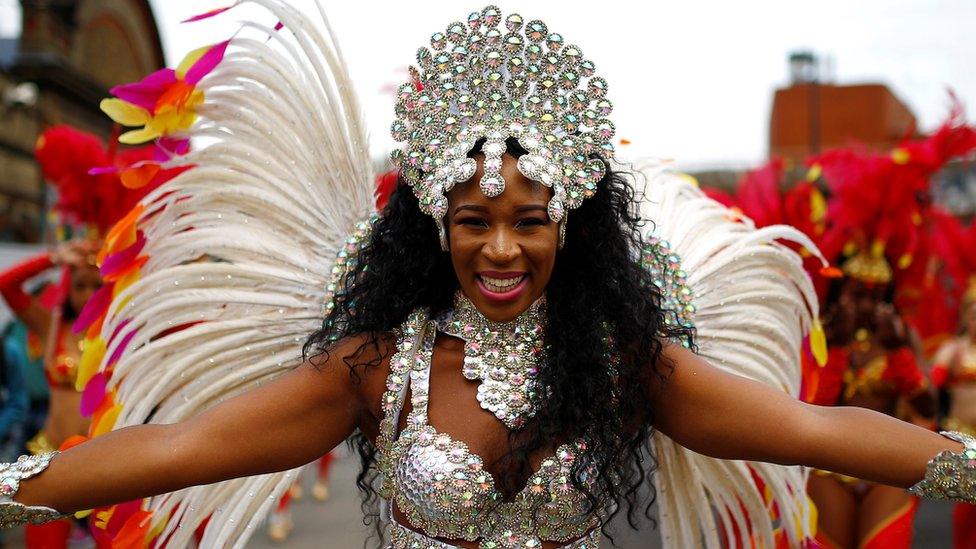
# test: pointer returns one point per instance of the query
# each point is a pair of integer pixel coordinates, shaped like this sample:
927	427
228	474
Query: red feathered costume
872	215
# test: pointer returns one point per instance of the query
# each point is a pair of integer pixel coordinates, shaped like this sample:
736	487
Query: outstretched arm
287	423
727	416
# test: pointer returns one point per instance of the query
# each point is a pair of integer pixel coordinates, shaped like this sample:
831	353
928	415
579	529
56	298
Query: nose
501	248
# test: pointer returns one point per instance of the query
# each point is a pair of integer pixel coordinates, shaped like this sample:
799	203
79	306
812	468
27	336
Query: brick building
810	117
69	53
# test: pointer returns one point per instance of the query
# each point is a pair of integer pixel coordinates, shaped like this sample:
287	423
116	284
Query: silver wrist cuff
13	513
951	475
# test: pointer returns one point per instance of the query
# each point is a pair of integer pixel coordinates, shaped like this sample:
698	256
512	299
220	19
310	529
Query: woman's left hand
727	416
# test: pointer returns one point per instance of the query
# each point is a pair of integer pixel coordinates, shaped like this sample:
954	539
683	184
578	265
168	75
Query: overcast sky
691	81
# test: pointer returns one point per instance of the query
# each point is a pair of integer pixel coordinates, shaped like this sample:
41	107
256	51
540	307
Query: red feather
68	155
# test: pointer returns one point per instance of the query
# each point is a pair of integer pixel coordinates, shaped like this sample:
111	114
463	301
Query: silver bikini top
444	489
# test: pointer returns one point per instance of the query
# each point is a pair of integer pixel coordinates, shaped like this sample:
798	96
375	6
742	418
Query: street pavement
337	523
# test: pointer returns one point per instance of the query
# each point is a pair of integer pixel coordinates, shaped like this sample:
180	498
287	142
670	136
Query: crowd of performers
898	308
898	313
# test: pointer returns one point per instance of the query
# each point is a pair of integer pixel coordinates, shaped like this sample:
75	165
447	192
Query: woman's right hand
74	253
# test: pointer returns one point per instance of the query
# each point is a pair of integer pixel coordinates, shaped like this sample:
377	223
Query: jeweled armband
951	475
13	513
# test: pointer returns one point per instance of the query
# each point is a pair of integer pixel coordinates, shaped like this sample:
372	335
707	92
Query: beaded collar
503	356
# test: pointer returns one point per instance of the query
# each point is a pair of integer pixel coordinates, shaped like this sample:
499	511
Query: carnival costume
281	201
883	229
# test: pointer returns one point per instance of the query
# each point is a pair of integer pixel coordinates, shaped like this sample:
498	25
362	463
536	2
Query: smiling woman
501	340
504	257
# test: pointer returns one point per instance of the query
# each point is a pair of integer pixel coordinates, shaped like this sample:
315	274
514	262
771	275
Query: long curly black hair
601	303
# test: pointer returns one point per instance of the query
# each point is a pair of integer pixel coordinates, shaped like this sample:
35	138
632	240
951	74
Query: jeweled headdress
482	81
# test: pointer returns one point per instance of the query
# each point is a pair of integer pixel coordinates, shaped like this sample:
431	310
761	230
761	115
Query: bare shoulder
660	372
360	362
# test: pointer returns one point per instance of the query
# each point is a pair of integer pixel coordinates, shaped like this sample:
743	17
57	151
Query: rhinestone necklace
503	356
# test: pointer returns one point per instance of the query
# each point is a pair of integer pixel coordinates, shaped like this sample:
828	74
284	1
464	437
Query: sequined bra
443	488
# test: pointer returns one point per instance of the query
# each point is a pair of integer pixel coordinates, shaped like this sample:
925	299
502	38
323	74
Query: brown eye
532	222
472	222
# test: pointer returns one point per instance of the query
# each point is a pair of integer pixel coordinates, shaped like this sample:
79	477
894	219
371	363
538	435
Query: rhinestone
587	68
513	44
513	22
491	16
572	54
456	32
494	148
492	186
556	210
536	30
438	41
597	87
493	37
475	42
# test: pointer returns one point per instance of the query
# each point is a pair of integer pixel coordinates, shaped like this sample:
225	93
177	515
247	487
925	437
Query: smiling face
503	249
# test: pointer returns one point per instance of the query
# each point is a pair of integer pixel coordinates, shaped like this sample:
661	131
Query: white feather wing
240	250
753	306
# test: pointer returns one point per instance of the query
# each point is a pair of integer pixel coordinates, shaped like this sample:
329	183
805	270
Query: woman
62	355
874	366
866	223
54	327
887	236
90	199
501	366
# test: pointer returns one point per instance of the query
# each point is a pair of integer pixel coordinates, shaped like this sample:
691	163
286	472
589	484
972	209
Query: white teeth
500	285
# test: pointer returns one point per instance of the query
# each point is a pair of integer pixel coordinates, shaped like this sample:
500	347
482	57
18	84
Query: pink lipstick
499	286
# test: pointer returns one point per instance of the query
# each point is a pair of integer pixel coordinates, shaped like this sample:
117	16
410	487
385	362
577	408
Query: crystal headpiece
481	81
